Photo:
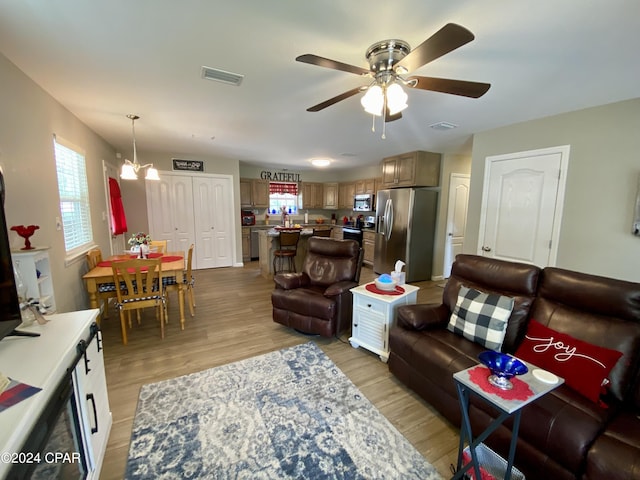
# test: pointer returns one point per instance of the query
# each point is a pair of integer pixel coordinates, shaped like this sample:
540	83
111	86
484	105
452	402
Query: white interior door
159	210
522	205
213	207
182	213
456	219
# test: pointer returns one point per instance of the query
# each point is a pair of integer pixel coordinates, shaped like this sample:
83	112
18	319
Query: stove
351	233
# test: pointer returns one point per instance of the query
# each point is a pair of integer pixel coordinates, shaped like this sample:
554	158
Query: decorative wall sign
280	176
188	165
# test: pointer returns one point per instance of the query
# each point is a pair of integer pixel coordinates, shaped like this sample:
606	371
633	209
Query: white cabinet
90	386
35	271
373	316
45	362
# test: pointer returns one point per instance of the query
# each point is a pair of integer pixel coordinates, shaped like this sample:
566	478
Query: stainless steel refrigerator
405	230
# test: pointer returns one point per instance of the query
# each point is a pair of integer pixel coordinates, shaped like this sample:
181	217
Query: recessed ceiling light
443	126
320	162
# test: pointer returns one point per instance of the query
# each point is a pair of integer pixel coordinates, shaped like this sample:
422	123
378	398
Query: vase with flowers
140	244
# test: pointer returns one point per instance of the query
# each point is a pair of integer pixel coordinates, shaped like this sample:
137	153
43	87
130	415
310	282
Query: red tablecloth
373	289
520	391
163	259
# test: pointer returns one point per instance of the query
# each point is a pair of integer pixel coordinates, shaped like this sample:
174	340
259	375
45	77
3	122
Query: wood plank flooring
233	322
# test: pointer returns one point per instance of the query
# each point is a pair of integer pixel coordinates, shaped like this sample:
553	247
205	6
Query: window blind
73	190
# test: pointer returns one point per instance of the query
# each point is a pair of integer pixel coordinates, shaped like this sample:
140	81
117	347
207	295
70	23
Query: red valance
281	188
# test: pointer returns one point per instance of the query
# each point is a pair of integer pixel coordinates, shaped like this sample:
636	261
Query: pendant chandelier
130	169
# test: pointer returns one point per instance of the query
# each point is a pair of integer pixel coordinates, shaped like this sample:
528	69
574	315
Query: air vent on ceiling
222	76
443	126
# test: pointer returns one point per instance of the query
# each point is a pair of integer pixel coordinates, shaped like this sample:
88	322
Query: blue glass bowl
503	368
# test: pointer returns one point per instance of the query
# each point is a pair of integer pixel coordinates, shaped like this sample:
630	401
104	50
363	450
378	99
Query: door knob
486	249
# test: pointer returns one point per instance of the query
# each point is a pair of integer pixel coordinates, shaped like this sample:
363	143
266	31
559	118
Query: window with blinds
74	196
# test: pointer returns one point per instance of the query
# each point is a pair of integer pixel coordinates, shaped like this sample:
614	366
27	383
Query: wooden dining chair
106	291
142	280
159	246
171	283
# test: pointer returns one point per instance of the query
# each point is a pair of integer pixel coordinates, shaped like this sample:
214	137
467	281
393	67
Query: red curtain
118	219
280	187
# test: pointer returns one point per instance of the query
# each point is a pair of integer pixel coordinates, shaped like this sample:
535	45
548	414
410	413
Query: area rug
286	414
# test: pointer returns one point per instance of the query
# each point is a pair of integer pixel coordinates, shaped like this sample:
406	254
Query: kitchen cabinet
368	246
414	169
346	191
246	244
254	193
312	195
368	185
374	315
35	270
330	196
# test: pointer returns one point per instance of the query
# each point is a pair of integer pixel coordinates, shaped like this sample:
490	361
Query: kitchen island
269	242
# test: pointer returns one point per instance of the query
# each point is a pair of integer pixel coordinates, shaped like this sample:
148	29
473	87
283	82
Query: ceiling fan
389	61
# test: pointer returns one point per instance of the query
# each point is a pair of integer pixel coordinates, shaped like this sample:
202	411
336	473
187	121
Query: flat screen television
10	316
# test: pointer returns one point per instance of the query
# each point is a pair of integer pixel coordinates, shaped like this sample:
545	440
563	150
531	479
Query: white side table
373	316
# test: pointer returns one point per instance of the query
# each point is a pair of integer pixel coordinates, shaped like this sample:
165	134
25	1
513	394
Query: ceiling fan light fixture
373	100
396	98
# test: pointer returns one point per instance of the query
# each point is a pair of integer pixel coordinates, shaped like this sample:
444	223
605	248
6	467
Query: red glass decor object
25	232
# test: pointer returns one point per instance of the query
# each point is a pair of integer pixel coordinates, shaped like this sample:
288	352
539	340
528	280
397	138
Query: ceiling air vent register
223	76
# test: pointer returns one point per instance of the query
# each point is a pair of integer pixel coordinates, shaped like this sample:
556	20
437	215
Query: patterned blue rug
287	414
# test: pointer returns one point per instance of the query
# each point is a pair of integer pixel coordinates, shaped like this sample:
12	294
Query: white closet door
182	214
213	207
159	210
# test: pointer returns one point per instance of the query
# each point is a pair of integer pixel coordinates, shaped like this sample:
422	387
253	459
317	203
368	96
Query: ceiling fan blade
392	118
445	40
331	101
328	63
454	87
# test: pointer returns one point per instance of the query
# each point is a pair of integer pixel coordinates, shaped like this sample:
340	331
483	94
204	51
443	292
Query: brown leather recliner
318	300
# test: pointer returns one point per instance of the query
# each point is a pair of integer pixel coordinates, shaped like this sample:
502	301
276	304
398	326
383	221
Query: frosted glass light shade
396	98
373	100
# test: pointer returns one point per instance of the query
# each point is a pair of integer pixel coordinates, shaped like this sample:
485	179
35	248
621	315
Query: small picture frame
188	165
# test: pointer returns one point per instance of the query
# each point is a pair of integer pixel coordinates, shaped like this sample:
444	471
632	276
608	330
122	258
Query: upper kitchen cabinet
330	196
346	191
254	193
365	186
312	195
414	169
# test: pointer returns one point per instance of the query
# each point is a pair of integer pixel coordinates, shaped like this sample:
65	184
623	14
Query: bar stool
321	232
288	250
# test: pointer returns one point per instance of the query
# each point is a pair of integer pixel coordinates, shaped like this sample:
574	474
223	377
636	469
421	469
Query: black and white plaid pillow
481	317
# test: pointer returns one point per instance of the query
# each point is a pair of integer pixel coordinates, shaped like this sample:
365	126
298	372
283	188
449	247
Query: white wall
604	165
28	120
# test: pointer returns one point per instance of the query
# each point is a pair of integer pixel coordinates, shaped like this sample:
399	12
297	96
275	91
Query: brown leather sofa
318	300
563	435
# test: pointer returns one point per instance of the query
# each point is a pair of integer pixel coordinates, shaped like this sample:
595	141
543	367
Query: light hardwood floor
233	322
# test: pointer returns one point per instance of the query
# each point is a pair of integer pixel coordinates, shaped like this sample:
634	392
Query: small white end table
373	316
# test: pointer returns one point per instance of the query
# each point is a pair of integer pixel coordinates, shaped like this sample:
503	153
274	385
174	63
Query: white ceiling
103	59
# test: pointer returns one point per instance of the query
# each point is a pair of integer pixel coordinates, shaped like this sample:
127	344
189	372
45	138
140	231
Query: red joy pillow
584	366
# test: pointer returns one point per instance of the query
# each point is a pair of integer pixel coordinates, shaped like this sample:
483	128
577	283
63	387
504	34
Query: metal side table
473	381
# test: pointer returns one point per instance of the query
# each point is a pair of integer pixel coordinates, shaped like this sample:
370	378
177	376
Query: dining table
171	264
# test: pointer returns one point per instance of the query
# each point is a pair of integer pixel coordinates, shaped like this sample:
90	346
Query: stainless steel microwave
364	203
